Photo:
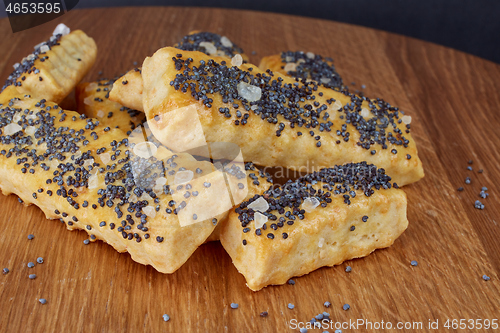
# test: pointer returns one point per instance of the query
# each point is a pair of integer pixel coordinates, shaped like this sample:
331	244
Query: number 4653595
33	8
471	324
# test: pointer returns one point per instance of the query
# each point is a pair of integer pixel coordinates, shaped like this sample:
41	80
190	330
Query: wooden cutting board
454	101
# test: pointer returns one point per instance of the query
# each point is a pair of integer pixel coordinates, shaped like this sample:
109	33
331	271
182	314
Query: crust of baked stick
63	66
257	138
179	242
322	238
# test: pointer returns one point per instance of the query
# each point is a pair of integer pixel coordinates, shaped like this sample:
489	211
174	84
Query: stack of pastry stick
159	161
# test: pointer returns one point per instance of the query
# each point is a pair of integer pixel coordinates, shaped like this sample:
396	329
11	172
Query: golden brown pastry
275	120
130	94
303	67
321	219
140	198
55	67
92	99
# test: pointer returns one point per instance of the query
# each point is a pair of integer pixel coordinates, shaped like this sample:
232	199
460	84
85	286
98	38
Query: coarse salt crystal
11	128
226	42
210	47
260	220
145	149
406	119
337	105
91	86
30	57
93	181
249	92
161	181
310	55
149	211
88	162
183	177
321	242
288	58
87	100
364	113
237	60
290	67
105	158
100	113
16	65
259	205
254	107
30	130
310	204
44	48
325	80
61	29
145	196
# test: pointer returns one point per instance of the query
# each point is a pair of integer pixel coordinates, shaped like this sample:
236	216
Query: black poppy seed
264	314
292	282
364	218
31	265
285	235
470	162
467	180
258	232
460	189
486	277
166	317
244	242
352	228
159	239
5	270
414	263
346	307
39	260
348	269
86	242
32	276
291	306
30	236
327	304
469	168
270	236
234	305
43	300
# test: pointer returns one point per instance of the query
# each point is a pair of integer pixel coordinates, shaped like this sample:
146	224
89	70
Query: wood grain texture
453	99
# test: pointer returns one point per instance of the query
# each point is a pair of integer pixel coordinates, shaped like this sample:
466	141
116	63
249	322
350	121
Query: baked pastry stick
92	99
275	120
130	93
304	66
319	220
140	198
55	67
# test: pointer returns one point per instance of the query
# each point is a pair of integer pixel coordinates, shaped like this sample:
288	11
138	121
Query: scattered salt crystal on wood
11	128
406	119
237	60
249	92
210	47
260	220
310	204
226	42
145	149
259	205
183	176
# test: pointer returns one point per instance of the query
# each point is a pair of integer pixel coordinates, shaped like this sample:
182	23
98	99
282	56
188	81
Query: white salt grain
149	211
11	128
321	242
183	177
44	48
237	60
259	205
145	149
210	47
325	80
61	29
310	204
364	113
105	158
310	55
406	119
225	41
100	113
249	92
260	220
290	67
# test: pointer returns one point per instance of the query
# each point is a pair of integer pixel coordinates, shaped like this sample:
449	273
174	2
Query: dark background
472	26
